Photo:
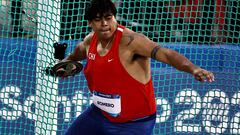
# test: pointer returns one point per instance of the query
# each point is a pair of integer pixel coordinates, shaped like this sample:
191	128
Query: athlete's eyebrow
107	15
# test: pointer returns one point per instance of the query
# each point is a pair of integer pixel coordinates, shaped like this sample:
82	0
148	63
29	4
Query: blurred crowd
191	21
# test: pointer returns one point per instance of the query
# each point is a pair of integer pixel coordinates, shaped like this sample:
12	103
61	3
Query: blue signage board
184	106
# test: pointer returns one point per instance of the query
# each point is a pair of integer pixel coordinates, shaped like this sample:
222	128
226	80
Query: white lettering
79	100
12	109
165	109
215	111
191	98
29	106
66	107
235	121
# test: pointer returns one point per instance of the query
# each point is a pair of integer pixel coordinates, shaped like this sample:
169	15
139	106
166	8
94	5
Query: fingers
210	76
69	70
61	72
204	75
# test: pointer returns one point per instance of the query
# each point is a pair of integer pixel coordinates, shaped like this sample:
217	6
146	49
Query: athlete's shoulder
87	40
129	36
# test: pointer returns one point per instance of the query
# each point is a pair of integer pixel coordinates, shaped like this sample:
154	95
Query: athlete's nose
104	22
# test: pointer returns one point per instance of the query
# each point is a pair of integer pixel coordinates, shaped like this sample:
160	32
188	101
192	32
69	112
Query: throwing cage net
206	32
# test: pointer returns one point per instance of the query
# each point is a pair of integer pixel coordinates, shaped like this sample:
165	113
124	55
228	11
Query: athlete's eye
108	17
97	19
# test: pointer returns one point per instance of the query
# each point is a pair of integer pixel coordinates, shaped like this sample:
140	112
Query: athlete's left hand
203	75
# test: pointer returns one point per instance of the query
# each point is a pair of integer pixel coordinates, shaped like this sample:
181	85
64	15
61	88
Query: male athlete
119	75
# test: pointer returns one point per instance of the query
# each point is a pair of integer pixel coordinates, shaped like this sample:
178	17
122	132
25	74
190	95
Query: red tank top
106	74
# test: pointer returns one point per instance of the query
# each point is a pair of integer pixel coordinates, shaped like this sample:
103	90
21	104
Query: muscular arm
143	46
174	59
183	64
80	51
78	54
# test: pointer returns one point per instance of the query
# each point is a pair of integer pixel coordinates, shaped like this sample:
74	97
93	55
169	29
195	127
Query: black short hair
99	7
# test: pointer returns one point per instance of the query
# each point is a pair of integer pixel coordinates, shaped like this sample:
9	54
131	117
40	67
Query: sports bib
108	103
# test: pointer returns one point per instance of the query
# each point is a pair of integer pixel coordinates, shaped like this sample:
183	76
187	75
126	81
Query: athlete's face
104	26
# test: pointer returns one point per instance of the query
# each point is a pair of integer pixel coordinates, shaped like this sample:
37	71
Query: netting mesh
206	32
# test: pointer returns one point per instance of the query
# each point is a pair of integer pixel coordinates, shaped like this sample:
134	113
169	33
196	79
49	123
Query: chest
102	51
124	54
